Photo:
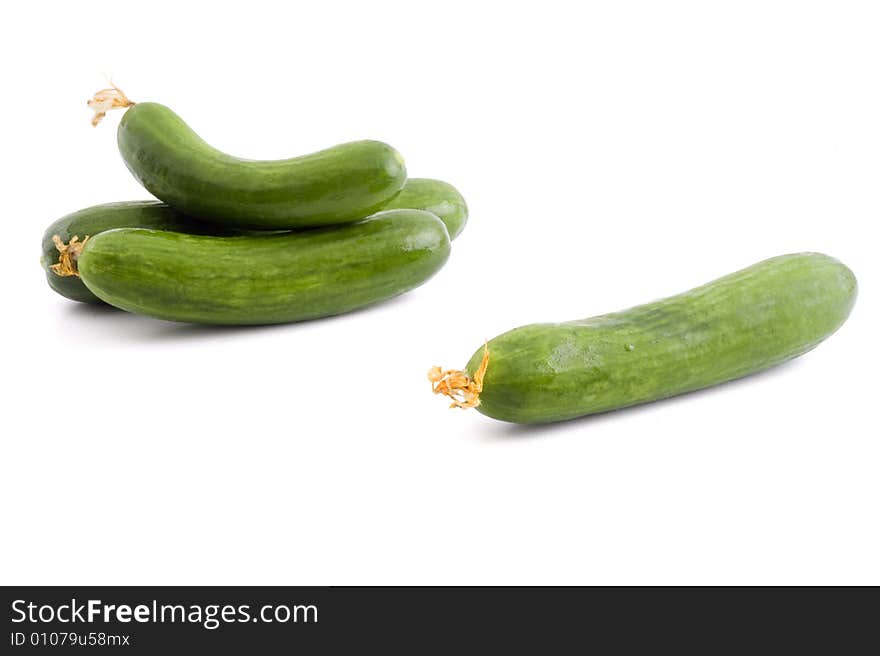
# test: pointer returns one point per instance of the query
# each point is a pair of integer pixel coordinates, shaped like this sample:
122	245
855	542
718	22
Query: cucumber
338	185
434	196
437	197
264	279
92	220
740	324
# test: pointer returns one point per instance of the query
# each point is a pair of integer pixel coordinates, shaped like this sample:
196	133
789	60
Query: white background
611	153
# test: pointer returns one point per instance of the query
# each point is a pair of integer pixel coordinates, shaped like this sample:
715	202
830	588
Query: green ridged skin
743	323
268	278
92	220
437	197
338	185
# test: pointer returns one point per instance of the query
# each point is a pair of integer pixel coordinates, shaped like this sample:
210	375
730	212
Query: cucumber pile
233	241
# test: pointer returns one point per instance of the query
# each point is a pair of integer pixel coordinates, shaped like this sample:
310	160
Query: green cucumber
735	326
264	279
92	220
338	185
437	197
434	196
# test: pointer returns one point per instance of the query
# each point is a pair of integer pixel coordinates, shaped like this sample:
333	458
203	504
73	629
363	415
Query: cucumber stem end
105	100
457	385
67	255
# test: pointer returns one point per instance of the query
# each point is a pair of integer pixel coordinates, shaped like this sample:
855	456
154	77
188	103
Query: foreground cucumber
737	325
437	197
434	196
264	279
338	185
91	221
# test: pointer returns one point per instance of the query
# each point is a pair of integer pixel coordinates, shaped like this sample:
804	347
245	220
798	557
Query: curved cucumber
434	196
437	197
268	278
338	185
737	325
92	220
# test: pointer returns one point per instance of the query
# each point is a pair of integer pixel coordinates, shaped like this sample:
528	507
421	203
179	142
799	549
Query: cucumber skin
338	185
437	197
98	218
737	325
264	279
